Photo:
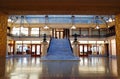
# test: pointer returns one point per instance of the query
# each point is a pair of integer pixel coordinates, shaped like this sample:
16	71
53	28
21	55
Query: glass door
33	50
83	50
59	34
36	50
10	49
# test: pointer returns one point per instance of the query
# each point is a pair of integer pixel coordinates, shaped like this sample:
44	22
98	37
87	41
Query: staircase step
60	50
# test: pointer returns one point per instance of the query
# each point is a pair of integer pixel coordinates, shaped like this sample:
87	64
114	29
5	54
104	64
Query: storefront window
92	48
35	32
75	31
20	31
24	31
16	31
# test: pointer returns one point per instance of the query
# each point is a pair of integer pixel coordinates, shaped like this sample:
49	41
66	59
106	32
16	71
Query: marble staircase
60	49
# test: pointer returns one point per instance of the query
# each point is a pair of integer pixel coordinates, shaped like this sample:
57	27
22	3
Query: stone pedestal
75	48
44	48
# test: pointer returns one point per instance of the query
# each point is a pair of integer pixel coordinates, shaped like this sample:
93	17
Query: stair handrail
70	45
49	44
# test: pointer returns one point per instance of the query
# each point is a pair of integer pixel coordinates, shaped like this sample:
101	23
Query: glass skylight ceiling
78	19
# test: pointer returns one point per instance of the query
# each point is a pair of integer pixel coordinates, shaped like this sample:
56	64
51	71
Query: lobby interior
28	27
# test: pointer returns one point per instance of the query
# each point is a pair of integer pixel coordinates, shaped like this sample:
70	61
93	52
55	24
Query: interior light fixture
97	23
73	25
113	19
108	26
46	27
9	20
22	22
110	19
105	21
97	27
46	22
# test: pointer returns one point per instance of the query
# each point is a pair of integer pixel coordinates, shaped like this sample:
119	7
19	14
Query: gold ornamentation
3	34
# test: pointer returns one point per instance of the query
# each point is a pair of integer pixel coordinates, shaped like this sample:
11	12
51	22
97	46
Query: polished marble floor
86	68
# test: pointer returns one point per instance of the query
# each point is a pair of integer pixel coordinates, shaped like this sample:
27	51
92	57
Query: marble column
110	51
117	28
29	31
7	49
90	31
3	43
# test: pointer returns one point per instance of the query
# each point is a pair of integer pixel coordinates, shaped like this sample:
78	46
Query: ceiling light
97	22
108	26
73	27
46	27
110	19
9	20
97	27
113	20
46	22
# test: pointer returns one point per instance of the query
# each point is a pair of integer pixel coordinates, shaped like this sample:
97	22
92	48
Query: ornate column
29	31
7	49
3	42
110	51
117	28
90	31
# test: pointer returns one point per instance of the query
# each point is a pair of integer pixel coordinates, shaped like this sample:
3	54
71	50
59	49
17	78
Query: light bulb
9	20
110	20
108	26
97	27
113	19
46	27
73	27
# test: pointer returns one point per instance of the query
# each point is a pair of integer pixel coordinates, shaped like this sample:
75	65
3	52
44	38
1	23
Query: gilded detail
118	34
3	34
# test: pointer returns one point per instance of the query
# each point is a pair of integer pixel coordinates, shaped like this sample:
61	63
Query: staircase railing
70	45
49	45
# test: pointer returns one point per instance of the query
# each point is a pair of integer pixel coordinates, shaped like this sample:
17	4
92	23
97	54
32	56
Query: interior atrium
94	33
65	39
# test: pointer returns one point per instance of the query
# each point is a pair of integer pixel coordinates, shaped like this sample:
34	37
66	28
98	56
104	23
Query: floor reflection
34	68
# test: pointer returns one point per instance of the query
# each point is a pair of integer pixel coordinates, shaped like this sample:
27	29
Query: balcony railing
95	36
23	36
79	36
